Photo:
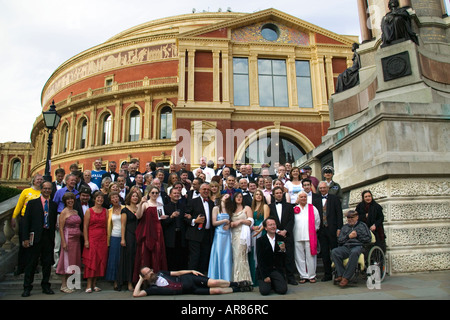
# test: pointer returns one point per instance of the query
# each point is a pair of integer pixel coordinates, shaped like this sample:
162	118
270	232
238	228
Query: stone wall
417	221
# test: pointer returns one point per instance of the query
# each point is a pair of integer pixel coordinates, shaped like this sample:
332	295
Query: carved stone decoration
396	25
350	77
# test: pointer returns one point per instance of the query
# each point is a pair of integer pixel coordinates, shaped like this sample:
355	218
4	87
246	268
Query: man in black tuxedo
270	256
174	229
283	213
59	181
313	198
111	173
195	192
39	225
200	231
331	221
82	204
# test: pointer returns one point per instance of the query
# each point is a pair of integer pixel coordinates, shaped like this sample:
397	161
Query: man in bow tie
331	221
283	213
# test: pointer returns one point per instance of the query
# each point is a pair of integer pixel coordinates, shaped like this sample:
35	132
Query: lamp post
51	120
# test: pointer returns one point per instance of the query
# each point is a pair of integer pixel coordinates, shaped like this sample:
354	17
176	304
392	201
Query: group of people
221	229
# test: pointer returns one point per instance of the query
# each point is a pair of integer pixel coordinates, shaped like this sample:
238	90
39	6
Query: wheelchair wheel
376	257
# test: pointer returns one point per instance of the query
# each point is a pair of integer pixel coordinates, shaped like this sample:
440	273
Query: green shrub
7	192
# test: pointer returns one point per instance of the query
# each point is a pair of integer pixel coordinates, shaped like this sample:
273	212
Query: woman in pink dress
69	228
150	247
95	253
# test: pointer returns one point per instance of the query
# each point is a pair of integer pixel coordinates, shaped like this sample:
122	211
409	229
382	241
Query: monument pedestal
399	148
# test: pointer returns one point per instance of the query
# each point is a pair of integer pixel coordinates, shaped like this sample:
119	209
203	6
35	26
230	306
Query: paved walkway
417	286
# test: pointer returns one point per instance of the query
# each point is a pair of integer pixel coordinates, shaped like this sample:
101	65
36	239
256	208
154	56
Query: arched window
135	125
166	123
270	149
83	136
106	134
64	139
16	169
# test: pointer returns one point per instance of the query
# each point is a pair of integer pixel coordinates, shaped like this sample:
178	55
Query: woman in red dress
150	247
95	253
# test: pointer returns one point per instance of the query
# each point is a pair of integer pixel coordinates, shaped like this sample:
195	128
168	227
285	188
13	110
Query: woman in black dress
128	242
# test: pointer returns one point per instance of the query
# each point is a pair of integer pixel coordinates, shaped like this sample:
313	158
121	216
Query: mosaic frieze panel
112	61
419	236
420	187
420	261
423	211
252	33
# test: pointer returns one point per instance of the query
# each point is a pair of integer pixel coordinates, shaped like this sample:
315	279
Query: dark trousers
328	241
199	252
24	253
289	261
177	256
277	283
43	251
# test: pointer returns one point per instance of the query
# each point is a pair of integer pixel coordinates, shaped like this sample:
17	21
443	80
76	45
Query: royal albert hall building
199	84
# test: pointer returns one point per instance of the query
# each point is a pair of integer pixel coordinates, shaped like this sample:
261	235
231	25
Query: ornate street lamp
51	120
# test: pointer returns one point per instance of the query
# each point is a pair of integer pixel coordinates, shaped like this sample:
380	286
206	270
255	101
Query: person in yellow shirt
27	194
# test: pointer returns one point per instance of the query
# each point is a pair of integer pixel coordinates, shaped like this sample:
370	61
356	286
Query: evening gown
221	259
128	253
241	268
150	247
252	261
95	258
71	256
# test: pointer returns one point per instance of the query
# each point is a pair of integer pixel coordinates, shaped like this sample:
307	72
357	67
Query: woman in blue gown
221	259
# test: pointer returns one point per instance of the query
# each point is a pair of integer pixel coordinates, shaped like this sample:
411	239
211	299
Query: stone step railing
9	237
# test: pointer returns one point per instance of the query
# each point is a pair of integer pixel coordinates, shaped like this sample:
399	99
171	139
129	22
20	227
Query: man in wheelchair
354	235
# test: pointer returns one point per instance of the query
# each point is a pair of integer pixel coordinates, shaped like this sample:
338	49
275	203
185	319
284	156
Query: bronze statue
396	25
350	77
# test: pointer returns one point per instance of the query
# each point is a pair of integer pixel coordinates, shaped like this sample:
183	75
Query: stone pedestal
398	146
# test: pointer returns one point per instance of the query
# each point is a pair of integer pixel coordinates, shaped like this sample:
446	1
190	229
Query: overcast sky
36	37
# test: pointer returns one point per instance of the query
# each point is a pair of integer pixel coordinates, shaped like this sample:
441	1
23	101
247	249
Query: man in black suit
283	213
270	252
200	231
59	181
82	204
39	235
313	198
174	229
331	221
111	173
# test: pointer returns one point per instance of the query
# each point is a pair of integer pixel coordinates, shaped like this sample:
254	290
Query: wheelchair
371	261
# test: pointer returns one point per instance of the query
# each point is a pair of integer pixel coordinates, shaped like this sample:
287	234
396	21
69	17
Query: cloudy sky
36	37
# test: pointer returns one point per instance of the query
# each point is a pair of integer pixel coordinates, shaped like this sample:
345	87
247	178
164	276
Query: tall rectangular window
304	90
240	81
272	76
135	125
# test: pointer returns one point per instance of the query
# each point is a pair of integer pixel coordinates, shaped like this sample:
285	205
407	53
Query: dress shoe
26	293
292	282
343	282
326	278
48	291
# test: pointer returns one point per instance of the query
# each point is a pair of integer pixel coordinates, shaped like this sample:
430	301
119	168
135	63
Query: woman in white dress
241	222
294	185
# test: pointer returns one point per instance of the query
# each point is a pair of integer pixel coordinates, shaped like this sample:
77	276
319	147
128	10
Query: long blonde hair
260	211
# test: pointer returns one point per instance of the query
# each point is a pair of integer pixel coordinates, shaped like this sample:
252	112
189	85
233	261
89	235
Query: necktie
278	202
46	214
325	222
84	203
